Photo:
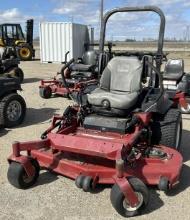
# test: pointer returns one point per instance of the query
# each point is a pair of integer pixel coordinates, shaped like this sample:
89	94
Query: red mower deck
91	158
72	161
56	87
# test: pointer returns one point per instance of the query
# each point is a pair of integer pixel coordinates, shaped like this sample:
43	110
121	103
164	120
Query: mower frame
94	157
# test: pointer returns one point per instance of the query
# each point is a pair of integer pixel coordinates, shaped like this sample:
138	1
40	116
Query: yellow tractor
11	35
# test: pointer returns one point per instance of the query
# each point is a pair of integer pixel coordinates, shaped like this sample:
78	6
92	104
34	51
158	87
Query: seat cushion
71	82
118	100
173	76
120	85
81	74
81	67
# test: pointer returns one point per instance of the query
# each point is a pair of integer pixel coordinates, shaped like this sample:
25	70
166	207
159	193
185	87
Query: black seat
120	85
80	74
174	70
81	67
87	64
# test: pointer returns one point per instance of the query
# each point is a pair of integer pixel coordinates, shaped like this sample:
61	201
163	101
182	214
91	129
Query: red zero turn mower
176	80
77	74
116	137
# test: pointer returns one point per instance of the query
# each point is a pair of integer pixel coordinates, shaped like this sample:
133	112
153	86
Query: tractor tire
17	176
12	110
18	73
45	92
120	203
167	129
25	52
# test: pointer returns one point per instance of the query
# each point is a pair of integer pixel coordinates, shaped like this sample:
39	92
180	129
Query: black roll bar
155	9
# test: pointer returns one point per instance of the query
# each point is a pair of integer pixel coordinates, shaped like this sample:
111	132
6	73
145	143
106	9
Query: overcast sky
121	26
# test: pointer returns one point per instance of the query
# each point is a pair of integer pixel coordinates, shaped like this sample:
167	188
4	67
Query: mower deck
56	87
72	165
69	155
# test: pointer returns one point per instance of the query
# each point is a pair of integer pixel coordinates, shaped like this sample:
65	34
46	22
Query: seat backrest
174	66
122	74
89	58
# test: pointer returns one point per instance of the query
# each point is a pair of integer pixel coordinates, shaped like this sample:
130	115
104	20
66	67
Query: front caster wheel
18	177
79	181
164	184
45	92
121	204
86	183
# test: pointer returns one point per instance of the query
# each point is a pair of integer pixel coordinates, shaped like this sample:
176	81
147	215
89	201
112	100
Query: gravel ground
56	197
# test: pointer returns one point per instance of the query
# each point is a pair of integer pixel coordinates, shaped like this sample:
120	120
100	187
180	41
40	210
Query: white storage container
56	38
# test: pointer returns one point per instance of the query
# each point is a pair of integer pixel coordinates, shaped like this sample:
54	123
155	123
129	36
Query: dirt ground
56	197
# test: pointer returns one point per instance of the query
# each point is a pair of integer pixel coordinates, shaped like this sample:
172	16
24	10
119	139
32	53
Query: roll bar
137	9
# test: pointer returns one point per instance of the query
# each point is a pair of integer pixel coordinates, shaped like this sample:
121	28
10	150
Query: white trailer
56	38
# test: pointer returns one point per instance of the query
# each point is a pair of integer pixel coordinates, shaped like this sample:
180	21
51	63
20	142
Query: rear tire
17	175
12	110
167	129
45	92
119	202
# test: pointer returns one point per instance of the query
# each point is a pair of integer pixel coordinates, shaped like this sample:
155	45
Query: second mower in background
176	81
78	73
